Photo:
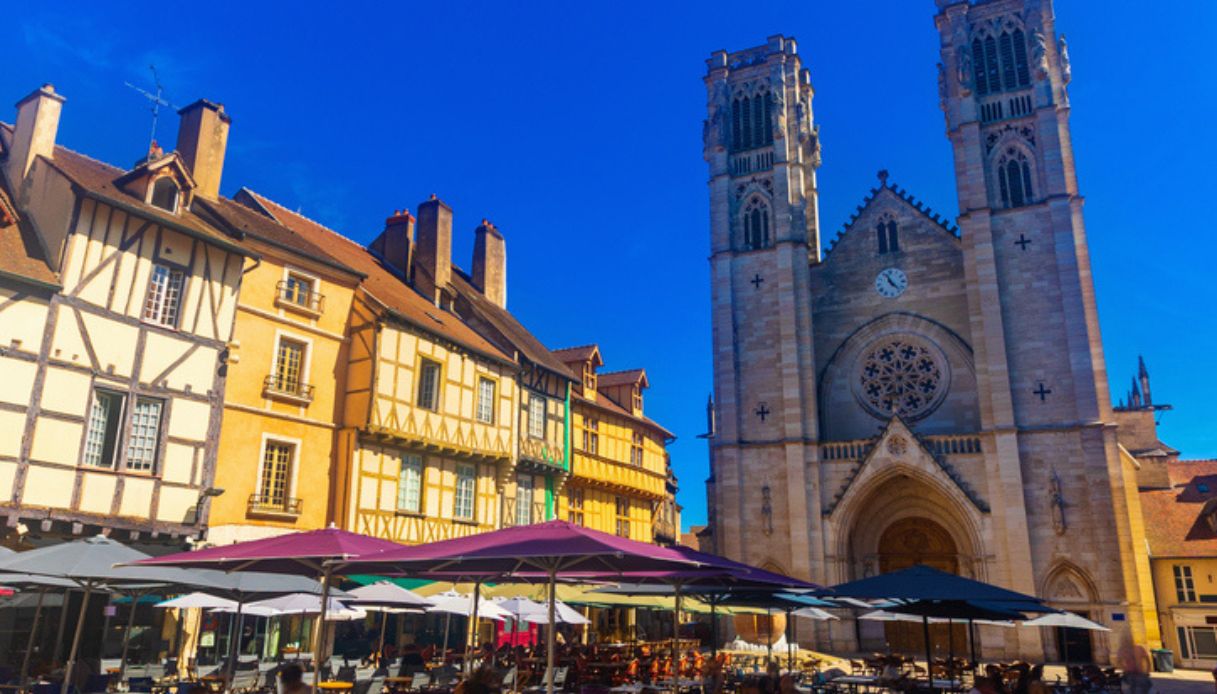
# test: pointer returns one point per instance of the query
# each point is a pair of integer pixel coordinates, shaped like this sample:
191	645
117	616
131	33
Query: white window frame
288	272
306	360
483	410
423	362
177	199
294	464
159	312
524	499
119	439
156	434
537	406
472	479
411	461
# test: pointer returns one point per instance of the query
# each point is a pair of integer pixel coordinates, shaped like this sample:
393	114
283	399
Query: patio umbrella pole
676	641
63	623
122	661
319	628
768	637
234	642
929	667
713	629
950	649
550	641
443	654
29	643
789	642
471	641
972	641
380	650
80	624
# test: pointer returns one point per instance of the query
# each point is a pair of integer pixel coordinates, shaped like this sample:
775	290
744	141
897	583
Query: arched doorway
919	540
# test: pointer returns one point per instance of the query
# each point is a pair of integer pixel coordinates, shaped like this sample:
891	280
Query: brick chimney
202	138
34	134
490	263
432	262
395	245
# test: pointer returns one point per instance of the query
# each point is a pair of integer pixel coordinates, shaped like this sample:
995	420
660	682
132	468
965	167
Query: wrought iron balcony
297	298
269	505
281	388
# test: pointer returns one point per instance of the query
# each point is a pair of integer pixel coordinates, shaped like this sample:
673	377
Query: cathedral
920	389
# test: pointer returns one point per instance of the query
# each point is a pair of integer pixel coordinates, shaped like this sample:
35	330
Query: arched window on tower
992	73
888	235
756	224
1020	58
746	124
737	142
978	67
1014	179
768	118
760	120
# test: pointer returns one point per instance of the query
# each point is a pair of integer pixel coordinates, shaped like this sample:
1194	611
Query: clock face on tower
891	282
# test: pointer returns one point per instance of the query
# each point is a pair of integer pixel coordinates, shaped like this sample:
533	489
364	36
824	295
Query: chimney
202	137
432	263
34	135
490	263
395	244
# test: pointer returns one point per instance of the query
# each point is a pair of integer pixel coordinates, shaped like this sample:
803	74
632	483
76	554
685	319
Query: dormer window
636	398
165	194
589	376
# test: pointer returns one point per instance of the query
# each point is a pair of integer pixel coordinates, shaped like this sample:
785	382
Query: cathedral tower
1040	370
762	149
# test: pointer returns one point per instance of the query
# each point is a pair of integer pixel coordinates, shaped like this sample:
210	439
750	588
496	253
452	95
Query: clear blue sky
576	128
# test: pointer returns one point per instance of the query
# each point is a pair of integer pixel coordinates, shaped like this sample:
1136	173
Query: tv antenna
157	101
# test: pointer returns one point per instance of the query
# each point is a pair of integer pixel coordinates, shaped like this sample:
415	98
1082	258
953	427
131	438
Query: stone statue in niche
1062	49
963	70
766	510
1039	53
1057	500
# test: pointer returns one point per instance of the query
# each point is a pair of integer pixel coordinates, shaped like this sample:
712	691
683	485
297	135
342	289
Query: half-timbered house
116	307
427	427
620	478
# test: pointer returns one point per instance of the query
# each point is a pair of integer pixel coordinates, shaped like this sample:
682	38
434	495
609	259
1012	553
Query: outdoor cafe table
336	686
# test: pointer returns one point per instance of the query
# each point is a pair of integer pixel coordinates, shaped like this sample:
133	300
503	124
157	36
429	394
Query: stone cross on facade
757	280
1022	242
763	411
1042	392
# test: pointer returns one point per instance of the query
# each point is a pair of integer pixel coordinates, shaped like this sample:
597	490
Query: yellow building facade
283	401
620	480
117	303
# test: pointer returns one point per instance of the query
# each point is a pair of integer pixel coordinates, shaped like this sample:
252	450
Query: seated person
291	679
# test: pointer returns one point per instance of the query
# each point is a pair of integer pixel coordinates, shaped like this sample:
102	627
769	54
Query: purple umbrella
316	553
531	552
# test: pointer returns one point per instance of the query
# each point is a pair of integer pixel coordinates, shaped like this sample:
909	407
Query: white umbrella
199	600
814	613
1065	619
310	603
538	613
248	610
386	597
884	616
452	602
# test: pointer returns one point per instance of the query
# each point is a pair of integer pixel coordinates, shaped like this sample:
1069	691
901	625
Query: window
589	376
1014	179
410	484
888	235
591	435
1020	58
1000	63
466	488
300	291
623	516
289	366
746	123
636	450
1185	587
992	73
536	416
574	510
276	471
756	224
1197	642
105	418
105	422
751	117
428	385
165	194
524	500
485	402
636	398
145	434
164	295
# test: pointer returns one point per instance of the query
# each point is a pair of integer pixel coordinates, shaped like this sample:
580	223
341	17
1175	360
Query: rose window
901	376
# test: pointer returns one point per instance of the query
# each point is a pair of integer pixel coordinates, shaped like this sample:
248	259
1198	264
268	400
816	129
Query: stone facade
919	393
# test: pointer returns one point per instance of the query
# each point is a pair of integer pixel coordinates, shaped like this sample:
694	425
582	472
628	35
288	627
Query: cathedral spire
1143	376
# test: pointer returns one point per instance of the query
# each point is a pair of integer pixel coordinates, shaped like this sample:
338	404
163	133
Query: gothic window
1007	61
978	66
1014	179
756	224
760	120
1020	58
737	138
746	124
992	74
768	139
889	236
